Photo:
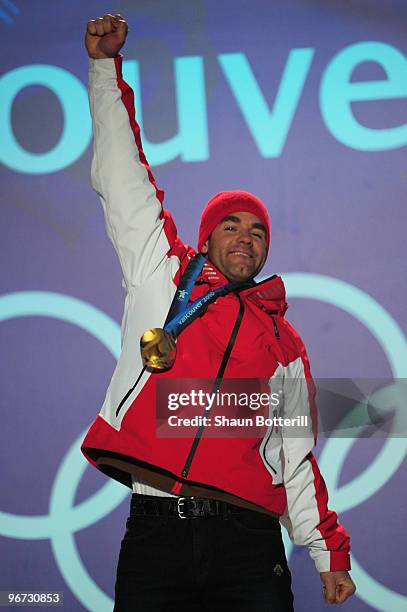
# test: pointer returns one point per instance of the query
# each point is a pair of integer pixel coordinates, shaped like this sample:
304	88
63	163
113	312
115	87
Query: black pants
212	563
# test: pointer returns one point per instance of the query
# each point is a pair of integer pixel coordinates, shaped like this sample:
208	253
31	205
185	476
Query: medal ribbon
187	282
181	315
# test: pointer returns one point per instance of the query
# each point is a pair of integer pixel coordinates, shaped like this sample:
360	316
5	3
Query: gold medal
158	349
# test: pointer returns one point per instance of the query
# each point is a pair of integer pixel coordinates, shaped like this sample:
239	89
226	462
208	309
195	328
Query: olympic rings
331	460
64	519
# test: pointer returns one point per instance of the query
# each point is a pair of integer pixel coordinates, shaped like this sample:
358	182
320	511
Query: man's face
237	246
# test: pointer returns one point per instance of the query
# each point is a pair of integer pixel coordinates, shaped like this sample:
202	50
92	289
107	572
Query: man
203	528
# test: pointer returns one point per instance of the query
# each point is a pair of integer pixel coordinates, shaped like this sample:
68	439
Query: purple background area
335	211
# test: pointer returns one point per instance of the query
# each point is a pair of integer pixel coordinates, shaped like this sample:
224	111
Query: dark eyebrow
237	220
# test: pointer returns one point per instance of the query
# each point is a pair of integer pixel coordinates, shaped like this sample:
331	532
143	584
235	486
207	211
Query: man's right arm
143	234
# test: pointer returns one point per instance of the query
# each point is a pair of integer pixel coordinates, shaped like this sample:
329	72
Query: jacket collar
268	294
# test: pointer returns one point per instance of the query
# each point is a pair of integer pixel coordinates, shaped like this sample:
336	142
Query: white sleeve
141	231
307	517
310	522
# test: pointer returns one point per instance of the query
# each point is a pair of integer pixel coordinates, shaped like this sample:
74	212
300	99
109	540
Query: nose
245	236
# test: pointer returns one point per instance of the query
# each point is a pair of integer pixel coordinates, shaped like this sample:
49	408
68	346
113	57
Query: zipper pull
276	332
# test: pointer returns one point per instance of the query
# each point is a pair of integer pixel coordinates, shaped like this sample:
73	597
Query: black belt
182	507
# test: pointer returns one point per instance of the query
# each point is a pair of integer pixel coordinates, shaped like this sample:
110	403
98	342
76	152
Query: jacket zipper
216	386
129	392
264	450
276	332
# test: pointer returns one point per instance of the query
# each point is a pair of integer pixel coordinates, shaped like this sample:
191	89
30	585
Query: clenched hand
105	36
338	586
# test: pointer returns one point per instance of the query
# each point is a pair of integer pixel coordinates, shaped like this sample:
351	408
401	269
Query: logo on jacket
278	570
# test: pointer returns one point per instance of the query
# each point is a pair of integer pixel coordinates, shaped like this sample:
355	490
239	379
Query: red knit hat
226	202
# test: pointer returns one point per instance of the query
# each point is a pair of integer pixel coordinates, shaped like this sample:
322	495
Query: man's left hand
337	586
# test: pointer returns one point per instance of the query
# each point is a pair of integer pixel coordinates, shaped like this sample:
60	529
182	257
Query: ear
204	248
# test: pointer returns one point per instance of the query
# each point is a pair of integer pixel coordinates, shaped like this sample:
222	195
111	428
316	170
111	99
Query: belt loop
225	510
166	507
133	504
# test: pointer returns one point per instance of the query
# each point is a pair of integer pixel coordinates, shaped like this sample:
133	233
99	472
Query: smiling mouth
241	253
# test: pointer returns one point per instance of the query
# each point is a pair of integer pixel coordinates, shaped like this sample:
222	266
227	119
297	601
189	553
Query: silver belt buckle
180	507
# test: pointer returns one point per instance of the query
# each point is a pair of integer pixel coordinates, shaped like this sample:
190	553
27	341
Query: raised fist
105	36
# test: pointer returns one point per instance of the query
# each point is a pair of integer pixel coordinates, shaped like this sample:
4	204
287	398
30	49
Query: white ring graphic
65	519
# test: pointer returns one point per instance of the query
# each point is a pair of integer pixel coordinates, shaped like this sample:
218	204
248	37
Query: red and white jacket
277	473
